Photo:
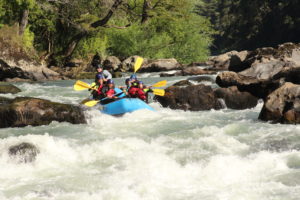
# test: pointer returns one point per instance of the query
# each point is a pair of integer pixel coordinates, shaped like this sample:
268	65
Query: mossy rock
9	88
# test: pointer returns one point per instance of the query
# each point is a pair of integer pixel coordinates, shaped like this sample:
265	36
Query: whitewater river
145	155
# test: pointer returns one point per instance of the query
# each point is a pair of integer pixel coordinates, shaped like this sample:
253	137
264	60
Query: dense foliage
62	29
244	24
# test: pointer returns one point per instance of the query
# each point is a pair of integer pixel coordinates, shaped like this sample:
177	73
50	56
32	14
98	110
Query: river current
162	155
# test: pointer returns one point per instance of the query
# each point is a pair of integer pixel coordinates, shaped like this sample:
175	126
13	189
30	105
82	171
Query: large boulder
282	105
231	60
23	111
267	69
257	87
234	99
112	62
8	88
192	71
23	152
161	65
25	70
194	98
128	64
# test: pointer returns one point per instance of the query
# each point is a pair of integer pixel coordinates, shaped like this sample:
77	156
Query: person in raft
105	73
98	86
101	78
136	91
109	92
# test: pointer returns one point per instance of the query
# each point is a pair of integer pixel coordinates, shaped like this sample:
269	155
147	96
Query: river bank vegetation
188	30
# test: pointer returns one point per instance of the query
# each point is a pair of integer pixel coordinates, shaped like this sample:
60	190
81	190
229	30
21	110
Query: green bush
15	45
27	39
87	47
185	39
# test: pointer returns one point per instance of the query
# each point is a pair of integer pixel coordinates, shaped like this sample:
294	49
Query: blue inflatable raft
124	105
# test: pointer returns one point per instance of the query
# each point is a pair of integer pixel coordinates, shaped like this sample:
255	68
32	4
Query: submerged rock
282	105
23	153
23	111
9	88
183	83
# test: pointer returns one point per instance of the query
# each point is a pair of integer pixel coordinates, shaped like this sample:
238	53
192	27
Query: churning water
145	155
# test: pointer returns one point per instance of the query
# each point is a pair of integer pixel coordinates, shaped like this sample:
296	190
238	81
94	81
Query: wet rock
235	99
194	98
8	88
23	111
183	83
112	62
259	88
5	101
282	105
161	65
23	153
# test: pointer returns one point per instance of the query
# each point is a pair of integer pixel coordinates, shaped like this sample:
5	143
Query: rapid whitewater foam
166	154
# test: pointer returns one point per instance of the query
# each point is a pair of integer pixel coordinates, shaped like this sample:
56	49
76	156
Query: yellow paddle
138	64
160	84
159	92
91	103
80	85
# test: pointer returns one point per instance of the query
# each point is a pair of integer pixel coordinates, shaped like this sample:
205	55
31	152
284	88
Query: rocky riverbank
270	74
244	77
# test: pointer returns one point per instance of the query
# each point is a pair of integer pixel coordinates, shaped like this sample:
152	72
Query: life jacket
110	93
135	92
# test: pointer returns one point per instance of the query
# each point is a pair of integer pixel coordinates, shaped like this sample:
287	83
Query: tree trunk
145	15
23	22
74	42
68	51
108	16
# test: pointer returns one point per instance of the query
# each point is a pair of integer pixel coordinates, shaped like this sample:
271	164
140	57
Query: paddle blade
138	64
160	83
90	103
159	92
80	85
